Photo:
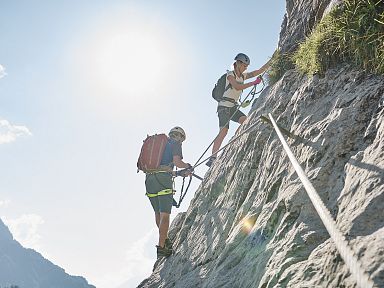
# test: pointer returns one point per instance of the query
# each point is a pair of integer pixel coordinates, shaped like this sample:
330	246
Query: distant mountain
27	268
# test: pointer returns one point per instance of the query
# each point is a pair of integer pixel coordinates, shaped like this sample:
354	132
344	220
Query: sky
82	83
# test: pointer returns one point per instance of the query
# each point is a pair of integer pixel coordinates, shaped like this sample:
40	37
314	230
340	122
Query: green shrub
280	63
352	33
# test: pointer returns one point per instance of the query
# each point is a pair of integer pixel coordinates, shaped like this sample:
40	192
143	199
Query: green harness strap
162	192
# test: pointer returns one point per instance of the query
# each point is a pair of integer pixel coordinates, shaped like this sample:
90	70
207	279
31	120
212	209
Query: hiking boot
168	244
210	161
163	252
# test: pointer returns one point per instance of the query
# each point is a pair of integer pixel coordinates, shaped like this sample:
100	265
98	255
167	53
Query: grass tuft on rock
351	33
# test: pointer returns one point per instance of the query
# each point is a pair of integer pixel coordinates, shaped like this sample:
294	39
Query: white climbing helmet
177	129
243	58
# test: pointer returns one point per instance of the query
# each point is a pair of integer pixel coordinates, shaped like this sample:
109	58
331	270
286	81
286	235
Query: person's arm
258	71
238	86
180	163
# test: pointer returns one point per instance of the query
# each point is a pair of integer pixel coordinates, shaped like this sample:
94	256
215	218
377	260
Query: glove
182	173
185	172
257	81
190	168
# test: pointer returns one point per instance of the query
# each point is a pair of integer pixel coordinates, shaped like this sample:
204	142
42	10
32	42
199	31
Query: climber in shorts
159	187
227	107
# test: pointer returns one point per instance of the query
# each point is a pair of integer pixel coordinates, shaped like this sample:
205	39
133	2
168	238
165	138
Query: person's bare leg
163	228
241	121
219	140
157	218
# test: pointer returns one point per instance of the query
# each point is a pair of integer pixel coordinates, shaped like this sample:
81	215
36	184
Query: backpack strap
229	84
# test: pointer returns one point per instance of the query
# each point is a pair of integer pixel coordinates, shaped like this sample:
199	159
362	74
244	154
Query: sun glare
129	60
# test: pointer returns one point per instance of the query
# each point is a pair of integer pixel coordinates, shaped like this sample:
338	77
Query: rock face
251	223
28	269
300	18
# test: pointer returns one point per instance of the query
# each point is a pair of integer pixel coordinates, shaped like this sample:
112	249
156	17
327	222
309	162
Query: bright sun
127	61
130	60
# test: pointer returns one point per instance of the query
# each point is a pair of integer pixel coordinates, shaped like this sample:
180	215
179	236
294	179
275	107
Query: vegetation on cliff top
352	32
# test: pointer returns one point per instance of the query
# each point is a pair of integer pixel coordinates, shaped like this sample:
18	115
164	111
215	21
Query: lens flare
248	223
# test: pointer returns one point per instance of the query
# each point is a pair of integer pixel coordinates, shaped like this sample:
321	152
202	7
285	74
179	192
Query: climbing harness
160	193
352	262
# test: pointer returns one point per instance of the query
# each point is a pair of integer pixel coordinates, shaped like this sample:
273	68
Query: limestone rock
251	223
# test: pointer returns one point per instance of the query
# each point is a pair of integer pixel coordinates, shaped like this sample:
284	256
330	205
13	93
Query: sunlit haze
82	83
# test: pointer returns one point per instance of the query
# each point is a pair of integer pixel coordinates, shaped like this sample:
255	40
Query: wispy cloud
9	132
139	260
2	71
4	203
25	229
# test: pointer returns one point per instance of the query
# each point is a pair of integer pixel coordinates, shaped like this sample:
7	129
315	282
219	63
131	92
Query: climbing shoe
210	161
163	252
168	244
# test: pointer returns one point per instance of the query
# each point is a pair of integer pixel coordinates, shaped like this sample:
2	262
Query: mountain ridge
26	267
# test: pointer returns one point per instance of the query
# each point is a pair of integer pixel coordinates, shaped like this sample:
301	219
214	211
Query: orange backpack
152	152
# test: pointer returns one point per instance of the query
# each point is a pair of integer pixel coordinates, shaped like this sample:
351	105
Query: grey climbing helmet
243	58
179	130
